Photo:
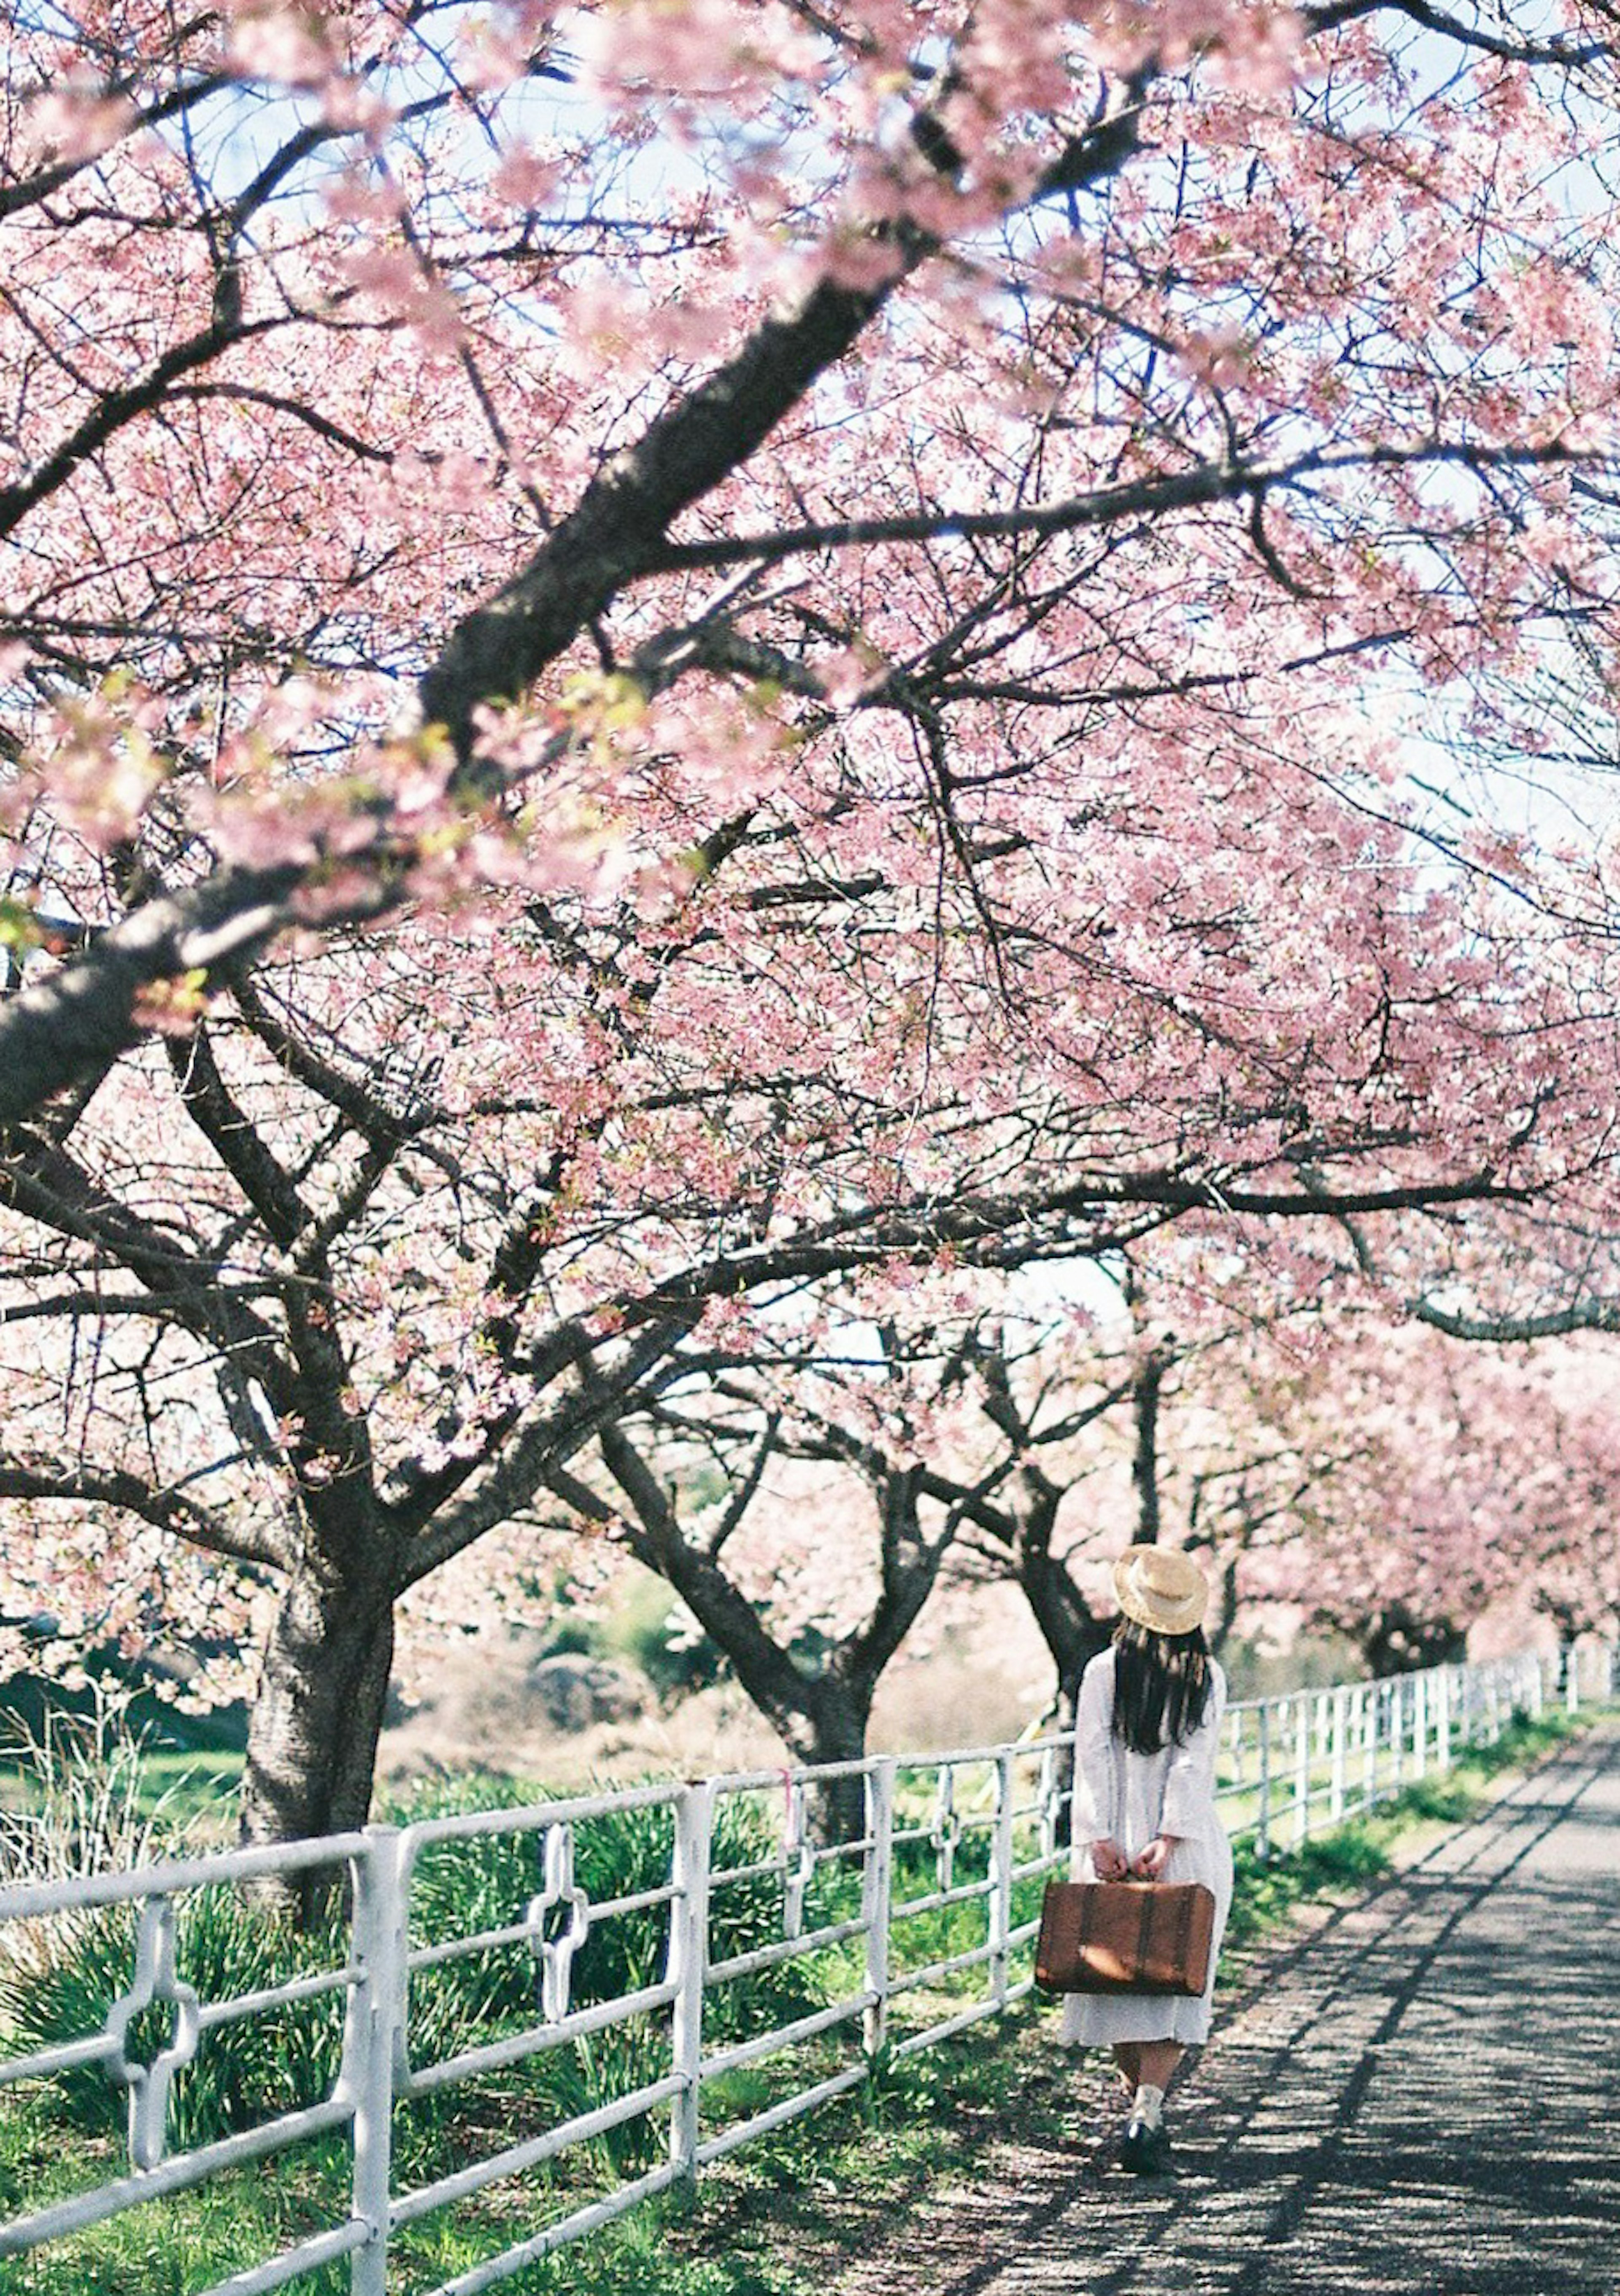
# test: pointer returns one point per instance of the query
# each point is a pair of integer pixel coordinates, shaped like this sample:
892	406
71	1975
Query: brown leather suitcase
1125	1937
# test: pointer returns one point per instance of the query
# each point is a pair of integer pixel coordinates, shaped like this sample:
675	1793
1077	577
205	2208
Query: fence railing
532	2020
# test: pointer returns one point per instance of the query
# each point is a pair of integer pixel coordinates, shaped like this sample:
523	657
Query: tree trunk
828	1724
1395	1640
312	1743
821	1716
1069	1631
1145	1462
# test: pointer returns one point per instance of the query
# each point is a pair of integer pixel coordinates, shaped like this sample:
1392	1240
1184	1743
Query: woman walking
1146	1737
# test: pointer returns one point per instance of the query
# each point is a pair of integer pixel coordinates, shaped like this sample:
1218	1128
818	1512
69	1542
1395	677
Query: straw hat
1161	1589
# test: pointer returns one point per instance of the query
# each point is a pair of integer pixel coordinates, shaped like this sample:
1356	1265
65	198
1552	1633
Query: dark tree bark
1145	1458
1395	1639
312	1745
821	1713
1071	1632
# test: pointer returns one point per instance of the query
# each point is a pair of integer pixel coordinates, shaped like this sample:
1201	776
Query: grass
60	1976
112	1788
195	1788
778	2218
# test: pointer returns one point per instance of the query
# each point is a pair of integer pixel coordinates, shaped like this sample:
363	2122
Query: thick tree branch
76	1023
446	1512
235	1139
1101	1213
616	532
118	408
1551	1324
1571	54
167	1510
45	1185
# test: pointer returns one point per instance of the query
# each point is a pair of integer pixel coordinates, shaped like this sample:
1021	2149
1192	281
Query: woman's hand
1148	1863
1109	1861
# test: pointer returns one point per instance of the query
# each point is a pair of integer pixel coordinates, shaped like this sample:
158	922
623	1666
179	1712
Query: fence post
1572	1680
1442	1721
376	2024
1263	1832
688	1966
1420	1722
1001	1924
1341	1720
1302	1766
1046	1802
876	1893
1377	1702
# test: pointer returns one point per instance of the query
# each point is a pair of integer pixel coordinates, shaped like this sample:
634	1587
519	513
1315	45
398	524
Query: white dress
1129	1798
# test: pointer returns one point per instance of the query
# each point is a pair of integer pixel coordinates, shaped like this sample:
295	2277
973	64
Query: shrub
59	1977
482	1883
64	1979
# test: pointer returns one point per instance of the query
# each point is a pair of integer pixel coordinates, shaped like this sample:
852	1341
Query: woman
1146	1737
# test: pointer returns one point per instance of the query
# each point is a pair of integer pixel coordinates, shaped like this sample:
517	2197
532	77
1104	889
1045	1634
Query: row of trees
1378	1481
686	684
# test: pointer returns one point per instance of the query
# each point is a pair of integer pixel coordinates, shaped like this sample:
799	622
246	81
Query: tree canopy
658	656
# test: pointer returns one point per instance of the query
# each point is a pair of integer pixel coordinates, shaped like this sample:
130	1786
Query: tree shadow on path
1420	2096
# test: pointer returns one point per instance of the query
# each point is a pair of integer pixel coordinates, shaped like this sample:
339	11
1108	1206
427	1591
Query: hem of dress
1190	2032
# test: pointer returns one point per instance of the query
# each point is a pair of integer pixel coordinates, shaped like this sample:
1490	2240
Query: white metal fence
631	1985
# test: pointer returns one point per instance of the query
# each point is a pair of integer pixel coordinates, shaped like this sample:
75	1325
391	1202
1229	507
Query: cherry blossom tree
1515	1312
944	1441
1569	1502
804	1504
657	652
1393	1485
809	1588
1246	276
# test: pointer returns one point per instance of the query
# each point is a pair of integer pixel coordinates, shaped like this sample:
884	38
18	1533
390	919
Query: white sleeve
1094	1752
1190	1781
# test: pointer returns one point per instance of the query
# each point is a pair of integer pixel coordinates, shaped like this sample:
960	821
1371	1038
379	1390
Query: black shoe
1145	2151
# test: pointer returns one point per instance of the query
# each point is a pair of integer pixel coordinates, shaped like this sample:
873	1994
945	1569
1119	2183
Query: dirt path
1424	2097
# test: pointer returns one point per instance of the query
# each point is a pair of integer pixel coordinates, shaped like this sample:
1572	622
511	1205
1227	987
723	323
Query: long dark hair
1161	1686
